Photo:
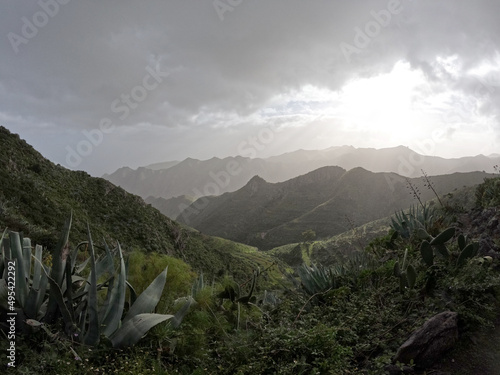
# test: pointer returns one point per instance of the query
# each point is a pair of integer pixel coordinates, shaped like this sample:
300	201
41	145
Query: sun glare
382	103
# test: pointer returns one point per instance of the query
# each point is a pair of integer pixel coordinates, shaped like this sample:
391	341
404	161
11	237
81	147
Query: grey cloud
92	52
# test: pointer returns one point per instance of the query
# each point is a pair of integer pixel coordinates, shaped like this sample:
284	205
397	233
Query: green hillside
36	196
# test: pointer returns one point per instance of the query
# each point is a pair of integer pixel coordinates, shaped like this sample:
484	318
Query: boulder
429	342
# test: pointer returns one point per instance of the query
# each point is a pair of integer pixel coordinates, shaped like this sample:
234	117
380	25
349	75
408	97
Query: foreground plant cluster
88	310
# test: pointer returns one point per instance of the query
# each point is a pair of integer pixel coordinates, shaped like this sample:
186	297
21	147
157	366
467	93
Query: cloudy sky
96	85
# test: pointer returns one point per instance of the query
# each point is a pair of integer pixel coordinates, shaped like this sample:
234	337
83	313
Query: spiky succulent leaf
135	328
4	292
21	276
57	270
176	320
149	298
116	303
27	256
91	336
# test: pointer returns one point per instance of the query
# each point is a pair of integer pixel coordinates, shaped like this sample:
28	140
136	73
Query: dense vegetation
322	321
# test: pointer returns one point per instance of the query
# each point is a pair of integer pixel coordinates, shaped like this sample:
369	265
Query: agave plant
415	218
47	295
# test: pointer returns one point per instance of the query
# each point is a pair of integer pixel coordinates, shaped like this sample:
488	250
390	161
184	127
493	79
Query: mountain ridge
215	176
327	201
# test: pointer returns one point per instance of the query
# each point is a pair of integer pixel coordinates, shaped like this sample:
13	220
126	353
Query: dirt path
479	356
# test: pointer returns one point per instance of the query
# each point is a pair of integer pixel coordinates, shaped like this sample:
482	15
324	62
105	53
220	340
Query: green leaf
91	337
179	315
27	256
112	318
21	275
397	270
57	296
422	234
467	252
411	275
444	236
3	295
57	270
442	250
427	253
135	328
461	242
403	282
149	298
403	266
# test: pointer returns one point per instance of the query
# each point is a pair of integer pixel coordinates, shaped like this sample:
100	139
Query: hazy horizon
99	86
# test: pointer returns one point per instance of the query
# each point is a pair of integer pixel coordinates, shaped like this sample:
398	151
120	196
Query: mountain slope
37	196
216	176
328	201
171	207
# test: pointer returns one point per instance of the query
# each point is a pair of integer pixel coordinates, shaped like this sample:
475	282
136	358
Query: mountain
196	178
163	165
329	201
36	196
171	207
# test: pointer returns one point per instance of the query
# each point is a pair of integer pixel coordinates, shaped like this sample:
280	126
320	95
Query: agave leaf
21	275
114	311
132	293
57	270
133	330
149	298
2	253
91	337
179	315
27	256
105	264
81	266
44	283
444	236
37	267
198	285
57	295
69	288
3	295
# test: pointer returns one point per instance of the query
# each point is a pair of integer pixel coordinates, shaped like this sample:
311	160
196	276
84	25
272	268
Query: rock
429	342
493	223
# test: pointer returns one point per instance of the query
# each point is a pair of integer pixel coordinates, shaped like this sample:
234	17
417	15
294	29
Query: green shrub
488	193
